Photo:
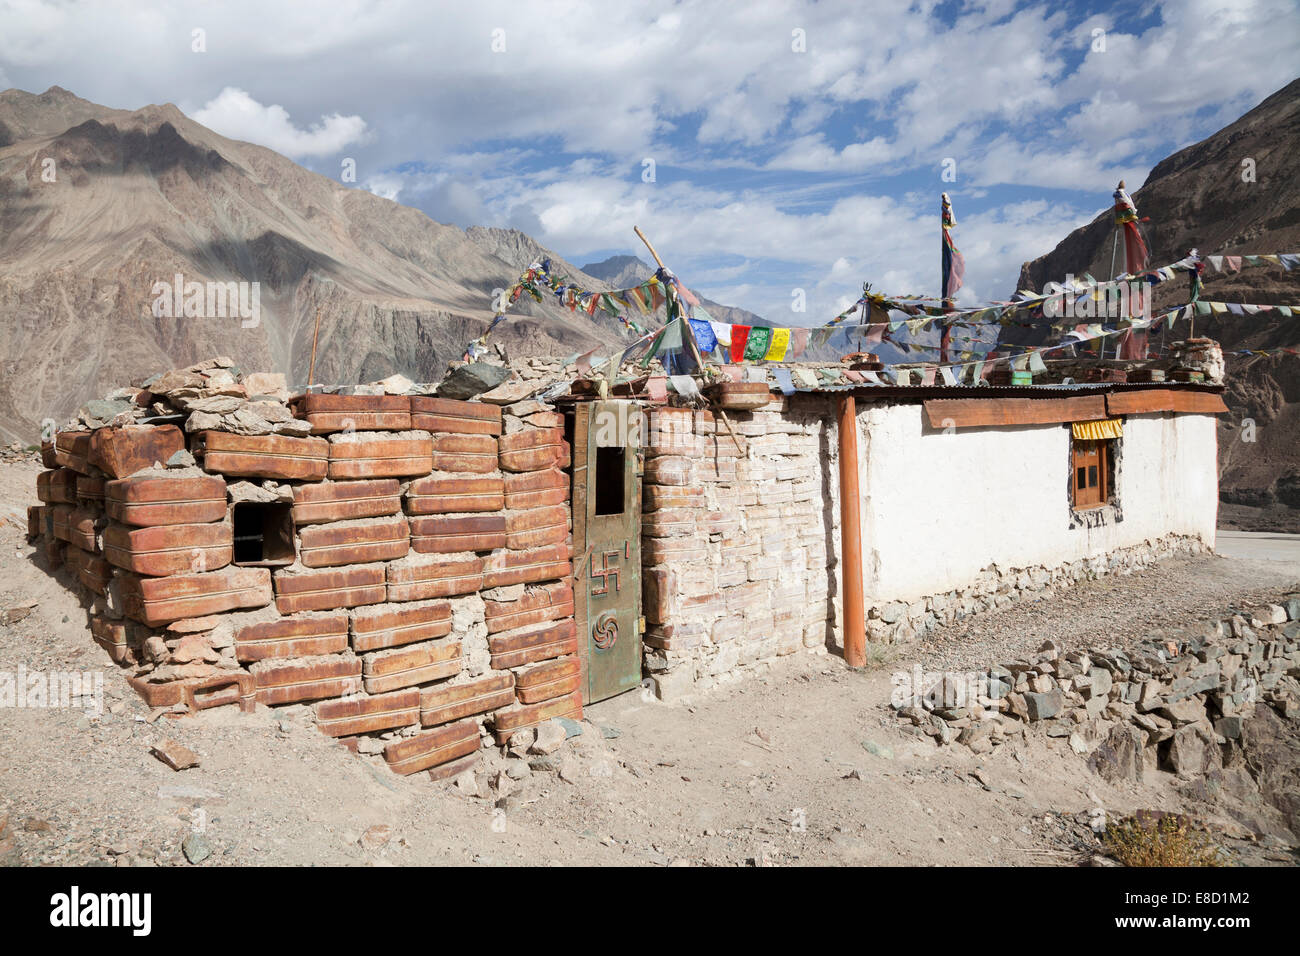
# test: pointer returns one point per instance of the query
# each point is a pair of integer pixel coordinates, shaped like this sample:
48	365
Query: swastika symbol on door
605	573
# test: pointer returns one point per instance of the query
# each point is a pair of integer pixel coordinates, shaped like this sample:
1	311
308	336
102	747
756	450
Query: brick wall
739	539
427	608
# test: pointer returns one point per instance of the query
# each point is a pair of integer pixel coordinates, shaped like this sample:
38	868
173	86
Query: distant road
1259	546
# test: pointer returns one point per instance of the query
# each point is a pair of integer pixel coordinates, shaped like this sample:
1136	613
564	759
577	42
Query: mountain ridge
97	205
1203	197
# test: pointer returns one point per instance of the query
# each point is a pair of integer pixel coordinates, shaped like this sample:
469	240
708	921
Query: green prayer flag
760	339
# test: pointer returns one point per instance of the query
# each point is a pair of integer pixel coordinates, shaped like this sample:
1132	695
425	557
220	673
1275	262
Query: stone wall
422	600
739	539
897	622
1174	702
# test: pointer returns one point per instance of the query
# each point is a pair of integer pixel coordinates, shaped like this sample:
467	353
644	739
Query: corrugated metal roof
886	390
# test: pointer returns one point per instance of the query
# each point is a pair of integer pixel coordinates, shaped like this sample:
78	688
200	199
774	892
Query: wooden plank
1148	400
976	412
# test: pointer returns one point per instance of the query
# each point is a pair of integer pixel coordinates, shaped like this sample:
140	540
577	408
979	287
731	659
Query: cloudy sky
764	147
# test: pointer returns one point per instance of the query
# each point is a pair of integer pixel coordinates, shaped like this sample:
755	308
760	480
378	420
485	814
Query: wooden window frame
1091	463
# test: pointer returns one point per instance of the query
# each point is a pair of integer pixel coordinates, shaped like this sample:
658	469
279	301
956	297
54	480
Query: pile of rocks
1170	698
215	395
17	451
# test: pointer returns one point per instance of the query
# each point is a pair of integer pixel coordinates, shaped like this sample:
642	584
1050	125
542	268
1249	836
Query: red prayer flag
739	338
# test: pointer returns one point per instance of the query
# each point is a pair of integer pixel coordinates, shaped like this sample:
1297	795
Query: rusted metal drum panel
380	457
528	647
161	501
534	450
60	525
375	628
449	415
432	748
264	456
81	529
408	666
72	450
327	589
536	489
739	396
58	486
156	601
476	454
90	490
444	703
537	527
365	715
353	542
299	636
538	604
427	496
420	580
112	636
357	413
512	719
35	521
169	549
345	500
524	567
447	534
91	569
286	682
549	680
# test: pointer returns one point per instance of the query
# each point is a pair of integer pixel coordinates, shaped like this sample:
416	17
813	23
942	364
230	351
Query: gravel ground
801	764
1112	611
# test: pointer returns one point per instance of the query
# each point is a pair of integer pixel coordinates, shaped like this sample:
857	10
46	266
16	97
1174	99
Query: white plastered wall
939	507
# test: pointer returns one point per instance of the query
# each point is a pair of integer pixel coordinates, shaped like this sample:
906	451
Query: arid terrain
1203	197
803	765
97	205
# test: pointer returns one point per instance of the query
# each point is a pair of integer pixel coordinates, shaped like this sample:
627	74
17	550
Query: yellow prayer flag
780	342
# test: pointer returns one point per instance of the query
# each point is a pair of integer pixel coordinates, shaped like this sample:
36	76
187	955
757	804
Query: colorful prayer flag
760	338
780	343
739	339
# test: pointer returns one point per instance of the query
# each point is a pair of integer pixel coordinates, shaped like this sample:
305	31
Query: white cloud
813	154
235	114
763	153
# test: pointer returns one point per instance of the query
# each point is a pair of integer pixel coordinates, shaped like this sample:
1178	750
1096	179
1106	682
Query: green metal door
607	545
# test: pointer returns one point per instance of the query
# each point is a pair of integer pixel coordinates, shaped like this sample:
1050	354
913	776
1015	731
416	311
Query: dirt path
1180	593
769	770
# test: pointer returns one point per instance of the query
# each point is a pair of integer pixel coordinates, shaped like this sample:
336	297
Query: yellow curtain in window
1095	431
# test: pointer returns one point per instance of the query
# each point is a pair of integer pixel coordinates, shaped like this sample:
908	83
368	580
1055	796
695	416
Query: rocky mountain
101	210
620	272
1236	192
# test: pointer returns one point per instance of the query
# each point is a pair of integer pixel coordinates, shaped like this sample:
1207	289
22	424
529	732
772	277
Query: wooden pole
311	369
641	235
688	335
855	628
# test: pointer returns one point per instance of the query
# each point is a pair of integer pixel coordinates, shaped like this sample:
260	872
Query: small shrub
1169	840
878	655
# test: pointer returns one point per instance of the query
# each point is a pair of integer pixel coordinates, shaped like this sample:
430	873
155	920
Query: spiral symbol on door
605	631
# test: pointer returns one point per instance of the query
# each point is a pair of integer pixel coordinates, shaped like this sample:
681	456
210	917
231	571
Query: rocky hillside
1198	198
98	205
620	272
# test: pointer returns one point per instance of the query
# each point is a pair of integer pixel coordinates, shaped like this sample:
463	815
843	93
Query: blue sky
794	145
